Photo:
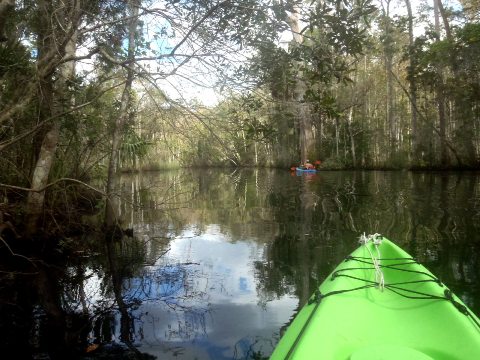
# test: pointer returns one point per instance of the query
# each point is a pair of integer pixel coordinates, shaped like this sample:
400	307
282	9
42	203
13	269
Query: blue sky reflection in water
201	300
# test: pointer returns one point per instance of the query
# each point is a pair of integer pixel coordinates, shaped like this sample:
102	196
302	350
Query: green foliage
133	148
248	115
334	163
323	103
271	66
15	60
467	53
451	66
343	26
469	35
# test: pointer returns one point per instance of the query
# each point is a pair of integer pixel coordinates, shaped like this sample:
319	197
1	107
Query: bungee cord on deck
378	264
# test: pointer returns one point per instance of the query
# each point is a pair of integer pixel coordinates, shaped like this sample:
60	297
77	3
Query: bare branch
5	144
92	52
15	254
14	187
195	26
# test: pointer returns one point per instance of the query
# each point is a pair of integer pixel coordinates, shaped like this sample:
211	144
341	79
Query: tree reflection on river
252	245
222	260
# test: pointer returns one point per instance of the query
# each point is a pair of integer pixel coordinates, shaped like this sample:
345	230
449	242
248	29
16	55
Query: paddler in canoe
307	165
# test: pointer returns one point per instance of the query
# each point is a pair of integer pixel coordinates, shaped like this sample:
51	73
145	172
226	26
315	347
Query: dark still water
222	260
232	255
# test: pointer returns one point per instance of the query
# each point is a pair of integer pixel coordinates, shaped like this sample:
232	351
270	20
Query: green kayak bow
381	304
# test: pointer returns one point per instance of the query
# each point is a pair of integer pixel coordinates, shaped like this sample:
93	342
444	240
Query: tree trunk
337	137
125	107
440	95
52	94
412	85
352	138
307	145
36	198
388	54
461	110
5	7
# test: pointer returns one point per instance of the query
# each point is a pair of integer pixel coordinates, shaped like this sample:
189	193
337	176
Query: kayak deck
351	316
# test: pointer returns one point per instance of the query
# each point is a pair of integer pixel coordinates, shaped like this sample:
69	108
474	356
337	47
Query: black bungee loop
394	287
317	299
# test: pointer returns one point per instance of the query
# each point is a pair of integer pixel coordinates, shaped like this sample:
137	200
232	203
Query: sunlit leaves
133	148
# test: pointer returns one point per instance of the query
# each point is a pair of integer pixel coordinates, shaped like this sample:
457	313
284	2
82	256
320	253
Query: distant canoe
306	170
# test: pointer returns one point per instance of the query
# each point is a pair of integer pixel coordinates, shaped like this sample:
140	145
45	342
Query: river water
232	255
223	259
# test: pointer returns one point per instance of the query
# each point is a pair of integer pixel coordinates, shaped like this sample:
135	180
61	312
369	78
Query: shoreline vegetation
85	203
427	168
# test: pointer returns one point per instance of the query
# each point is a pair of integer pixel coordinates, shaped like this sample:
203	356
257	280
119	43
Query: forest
92	88
95	90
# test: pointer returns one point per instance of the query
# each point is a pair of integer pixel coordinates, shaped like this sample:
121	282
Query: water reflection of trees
144	294
429	214
308	225
311	223
89	301
44	307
